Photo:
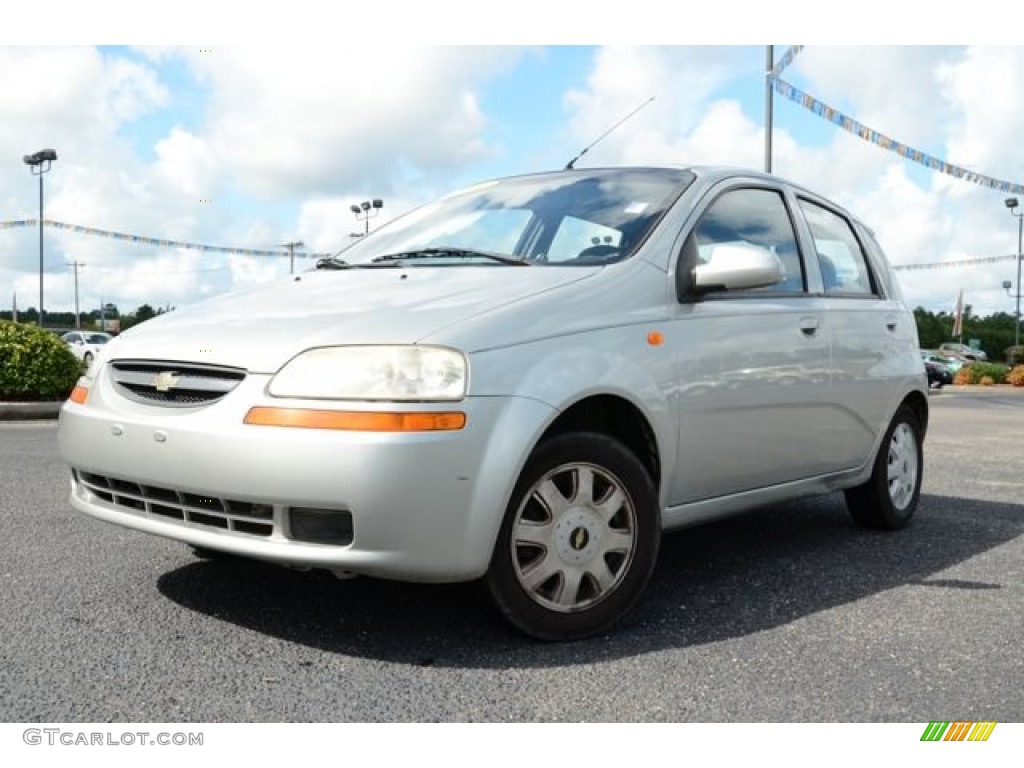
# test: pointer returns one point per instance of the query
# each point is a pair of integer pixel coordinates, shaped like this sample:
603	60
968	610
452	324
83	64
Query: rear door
872	336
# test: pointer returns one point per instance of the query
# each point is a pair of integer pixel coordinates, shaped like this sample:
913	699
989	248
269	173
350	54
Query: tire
87	359
579	539
889	498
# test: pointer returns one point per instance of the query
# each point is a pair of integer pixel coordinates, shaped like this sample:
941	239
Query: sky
264	133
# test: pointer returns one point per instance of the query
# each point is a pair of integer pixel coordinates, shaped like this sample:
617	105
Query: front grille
180	385
189	509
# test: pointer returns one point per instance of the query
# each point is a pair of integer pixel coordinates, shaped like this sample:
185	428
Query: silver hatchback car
527	381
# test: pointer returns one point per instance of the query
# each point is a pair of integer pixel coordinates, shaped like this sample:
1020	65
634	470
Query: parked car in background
939	373
954	364
526	381
86	344
963	351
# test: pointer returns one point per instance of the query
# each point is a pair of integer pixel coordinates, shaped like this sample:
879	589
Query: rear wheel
579	539
889	497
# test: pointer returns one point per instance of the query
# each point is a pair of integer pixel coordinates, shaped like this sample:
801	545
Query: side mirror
737	266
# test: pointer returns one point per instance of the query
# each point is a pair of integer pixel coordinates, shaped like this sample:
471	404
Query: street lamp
1011	203
39	163
366	210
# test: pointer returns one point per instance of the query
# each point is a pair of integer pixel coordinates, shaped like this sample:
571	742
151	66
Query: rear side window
844	268
755	217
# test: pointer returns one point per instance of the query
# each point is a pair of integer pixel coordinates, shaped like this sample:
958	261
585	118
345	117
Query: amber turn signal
356	421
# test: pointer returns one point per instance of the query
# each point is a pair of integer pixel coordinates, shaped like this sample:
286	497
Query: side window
844	268
756	217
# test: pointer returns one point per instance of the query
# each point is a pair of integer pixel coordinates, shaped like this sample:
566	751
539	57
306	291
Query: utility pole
291	251
78	317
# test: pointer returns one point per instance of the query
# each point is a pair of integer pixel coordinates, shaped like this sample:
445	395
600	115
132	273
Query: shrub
34	364
986	381
995	371
1016	376
976	372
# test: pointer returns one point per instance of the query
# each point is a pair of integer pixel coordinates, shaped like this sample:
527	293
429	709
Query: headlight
374	373
95	364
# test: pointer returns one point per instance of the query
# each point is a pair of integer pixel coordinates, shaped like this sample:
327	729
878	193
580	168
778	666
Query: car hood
262	328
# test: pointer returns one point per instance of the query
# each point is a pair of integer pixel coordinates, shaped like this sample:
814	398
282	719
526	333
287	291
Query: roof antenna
571	163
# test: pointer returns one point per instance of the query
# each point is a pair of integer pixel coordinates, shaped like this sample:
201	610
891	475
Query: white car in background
86	344
963	352
526	381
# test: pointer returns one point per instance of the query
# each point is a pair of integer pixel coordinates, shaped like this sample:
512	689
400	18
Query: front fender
620	362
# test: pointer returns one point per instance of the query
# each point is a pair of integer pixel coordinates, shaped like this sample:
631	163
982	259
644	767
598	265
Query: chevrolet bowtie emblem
165	381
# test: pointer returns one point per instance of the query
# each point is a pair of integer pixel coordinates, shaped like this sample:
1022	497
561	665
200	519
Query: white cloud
185	166
313	120
987	91
682	80
894	89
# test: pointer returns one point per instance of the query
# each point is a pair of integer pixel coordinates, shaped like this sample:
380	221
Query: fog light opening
320	526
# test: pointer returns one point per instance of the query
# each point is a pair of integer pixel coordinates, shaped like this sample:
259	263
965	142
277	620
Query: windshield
570	218
97	338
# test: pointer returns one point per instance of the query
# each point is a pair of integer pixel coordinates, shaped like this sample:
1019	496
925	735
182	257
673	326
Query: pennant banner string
832	115
785	61
150	240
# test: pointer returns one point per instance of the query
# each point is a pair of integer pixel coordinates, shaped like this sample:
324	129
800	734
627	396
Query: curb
30	411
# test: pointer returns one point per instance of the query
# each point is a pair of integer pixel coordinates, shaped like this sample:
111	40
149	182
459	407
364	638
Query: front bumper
423	506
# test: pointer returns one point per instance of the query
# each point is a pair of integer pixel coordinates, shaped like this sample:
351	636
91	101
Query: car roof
708	174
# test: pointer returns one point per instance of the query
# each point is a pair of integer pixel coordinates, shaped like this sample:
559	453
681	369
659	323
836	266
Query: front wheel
579	539
889	497
87	359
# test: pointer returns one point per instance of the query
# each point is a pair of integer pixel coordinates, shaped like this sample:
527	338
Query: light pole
39	163
366	210
1011	203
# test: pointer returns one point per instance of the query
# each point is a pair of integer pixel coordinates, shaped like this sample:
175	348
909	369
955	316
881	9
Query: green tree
143	313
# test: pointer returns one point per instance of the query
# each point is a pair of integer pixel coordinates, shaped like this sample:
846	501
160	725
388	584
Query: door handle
890	323
809	325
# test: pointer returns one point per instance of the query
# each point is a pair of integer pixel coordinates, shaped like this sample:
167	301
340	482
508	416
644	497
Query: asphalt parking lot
788	614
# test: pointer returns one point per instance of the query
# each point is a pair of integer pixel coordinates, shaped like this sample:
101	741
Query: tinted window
844	269
755	217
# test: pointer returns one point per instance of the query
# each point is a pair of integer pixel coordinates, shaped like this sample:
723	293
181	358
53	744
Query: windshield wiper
452	253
